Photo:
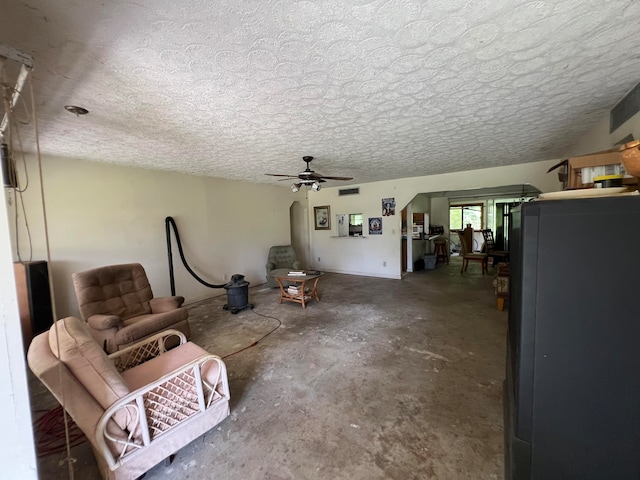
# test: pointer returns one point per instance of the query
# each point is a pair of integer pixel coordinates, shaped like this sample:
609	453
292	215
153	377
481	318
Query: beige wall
101	214
599	138
300	231
17	450
440	213
367	256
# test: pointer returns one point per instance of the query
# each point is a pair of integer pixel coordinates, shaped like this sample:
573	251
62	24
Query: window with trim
461	215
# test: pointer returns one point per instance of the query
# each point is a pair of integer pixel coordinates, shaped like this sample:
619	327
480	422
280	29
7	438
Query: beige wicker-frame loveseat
137	406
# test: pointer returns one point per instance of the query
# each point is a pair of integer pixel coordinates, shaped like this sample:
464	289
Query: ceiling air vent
627	139
348	191
625	109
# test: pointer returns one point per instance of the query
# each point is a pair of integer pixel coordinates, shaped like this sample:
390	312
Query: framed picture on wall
388	206
322	218
375	226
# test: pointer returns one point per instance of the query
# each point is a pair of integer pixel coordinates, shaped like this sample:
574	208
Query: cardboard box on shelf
578	172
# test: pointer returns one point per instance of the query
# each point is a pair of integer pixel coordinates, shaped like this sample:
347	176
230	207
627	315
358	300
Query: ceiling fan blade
308	176
336	178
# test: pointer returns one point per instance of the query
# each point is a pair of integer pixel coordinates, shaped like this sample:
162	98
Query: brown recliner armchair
117	304
137	406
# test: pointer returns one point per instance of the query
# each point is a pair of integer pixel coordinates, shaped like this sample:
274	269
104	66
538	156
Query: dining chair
469	255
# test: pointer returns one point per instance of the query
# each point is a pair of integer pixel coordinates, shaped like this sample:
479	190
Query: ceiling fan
308	177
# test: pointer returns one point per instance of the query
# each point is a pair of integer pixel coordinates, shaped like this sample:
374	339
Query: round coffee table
299	288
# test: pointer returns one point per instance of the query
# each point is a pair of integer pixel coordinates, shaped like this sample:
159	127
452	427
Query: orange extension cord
253	344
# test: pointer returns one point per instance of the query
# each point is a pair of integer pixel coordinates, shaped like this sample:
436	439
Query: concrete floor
382	379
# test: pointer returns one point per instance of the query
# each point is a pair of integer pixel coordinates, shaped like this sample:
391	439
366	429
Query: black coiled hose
169	221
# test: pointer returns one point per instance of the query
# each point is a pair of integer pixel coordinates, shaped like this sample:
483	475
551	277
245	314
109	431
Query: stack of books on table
297	273
295	291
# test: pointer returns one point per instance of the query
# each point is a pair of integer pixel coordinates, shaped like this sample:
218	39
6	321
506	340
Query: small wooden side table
307	283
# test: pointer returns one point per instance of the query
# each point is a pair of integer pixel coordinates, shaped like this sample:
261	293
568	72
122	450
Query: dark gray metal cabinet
572	388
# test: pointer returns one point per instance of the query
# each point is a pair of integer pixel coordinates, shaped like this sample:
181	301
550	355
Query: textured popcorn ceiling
372	89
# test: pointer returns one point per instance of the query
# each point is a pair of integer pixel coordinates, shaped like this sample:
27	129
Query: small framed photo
388	207
322	218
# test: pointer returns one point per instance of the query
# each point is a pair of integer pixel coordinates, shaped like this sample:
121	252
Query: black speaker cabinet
34	298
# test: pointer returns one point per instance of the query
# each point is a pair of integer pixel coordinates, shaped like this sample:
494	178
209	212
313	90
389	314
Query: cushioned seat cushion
90	365
121	290
154	369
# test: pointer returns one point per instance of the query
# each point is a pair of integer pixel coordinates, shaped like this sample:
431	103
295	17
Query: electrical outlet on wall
318	258
384	264
224	277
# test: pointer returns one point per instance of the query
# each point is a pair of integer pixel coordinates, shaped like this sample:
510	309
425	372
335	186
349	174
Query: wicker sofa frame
167	398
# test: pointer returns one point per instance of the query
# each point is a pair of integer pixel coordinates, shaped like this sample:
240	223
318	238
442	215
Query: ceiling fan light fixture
308	178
